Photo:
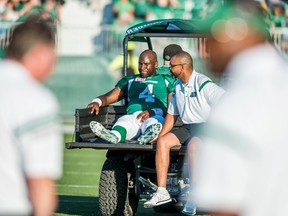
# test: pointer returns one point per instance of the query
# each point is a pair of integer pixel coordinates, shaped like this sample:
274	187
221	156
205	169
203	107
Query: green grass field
78	188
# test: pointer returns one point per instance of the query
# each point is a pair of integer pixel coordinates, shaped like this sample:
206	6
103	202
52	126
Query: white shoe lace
158	197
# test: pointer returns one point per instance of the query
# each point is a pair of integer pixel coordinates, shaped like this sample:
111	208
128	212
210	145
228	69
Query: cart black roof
164	28
177	28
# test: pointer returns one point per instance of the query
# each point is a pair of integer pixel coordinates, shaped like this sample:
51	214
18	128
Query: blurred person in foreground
242	166
31	138
195	95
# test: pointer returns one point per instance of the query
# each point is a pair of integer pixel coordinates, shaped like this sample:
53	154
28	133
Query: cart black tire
114	196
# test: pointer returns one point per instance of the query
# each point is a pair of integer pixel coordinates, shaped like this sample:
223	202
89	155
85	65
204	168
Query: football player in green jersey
147	96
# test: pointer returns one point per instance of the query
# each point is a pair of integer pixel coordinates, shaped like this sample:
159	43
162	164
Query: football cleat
103	133
151	133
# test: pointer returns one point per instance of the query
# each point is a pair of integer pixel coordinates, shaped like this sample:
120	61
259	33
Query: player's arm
171	116
170	88
150	113
104	100
143	116
169	98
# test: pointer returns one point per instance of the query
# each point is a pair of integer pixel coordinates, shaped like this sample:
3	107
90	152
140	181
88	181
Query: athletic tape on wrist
158	111
97	100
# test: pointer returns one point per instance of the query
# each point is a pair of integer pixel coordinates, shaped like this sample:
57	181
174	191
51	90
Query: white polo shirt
30	137
192	101
242	163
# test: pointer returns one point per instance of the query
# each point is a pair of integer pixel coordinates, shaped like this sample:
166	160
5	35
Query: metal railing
5	32
280	38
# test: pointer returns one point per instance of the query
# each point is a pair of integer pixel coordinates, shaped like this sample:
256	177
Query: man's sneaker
151	133
103	133
157	199
189	208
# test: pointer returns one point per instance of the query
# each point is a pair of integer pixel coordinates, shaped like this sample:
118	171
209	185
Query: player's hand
94	106
143	116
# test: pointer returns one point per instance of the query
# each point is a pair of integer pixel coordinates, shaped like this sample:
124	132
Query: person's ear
156	64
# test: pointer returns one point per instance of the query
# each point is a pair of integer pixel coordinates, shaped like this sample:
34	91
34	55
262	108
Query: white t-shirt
192	101
243	159
30	133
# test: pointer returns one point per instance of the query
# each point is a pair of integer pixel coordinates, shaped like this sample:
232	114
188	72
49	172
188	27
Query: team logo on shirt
139	79
146	80
193	94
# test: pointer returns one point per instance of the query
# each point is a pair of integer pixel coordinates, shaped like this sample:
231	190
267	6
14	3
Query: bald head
149	53
181	66
147	63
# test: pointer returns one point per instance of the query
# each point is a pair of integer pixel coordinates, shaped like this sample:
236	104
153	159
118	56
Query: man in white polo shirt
194	95
31	138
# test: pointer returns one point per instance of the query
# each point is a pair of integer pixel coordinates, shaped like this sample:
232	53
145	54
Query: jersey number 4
147	94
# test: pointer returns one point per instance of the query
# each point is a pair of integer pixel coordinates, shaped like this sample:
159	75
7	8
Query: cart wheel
114	196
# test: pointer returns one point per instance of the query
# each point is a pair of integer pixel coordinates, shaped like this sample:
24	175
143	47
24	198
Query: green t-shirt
34	10
142	7
161	12
164	70
52	12
146	93
124	7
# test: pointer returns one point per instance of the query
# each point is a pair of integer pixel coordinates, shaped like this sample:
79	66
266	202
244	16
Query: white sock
162	190
117	134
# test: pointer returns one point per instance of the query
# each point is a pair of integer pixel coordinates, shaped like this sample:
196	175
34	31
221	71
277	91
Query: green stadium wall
79	79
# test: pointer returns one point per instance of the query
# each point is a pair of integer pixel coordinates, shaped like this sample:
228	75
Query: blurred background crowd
18	10
129	12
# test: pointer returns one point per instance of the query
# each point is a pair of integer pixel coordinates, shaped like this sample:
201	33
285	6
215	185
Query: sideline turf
78	187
